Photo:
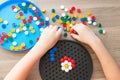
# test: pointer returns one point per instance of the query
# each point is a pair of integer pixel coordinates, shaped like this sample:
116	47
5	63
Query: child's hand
50	36
84	34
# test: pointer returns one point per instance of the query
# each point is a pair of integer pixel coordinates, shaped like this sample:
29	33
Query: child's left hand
50	36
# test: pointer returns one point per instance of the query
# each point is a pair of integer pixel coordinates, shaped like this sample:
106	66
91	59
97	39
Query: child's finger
76	28
75	36
55	28
82	25
50	26
59	32
45	29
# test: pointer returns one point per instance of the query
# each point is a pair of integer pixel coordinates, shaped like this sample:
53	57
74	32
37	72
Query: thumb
75	36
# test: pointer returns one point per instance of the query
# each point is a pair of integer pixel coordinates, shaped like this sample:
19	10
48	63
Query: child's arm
47	40
85	35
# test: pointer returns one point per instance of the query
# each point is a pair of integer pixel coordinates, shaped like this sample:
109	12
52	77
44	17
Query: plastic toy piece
85	18
5	40
53	15
13	7
53	19
73	8
37	22
68	27
93	18
1	20
14	43
64	25
17	30
17	17
30	6
71	11
31	17
99	25
53	10
12	47
72	31
73	22
82	16
47	19
89	22
14	35
3	26
31	42
37	39
63	14
38	17
47	23
24	28
41	29
21	24
94	23
88	13
66	9
65	34
33	8
42	23
10	39
24	21
62	7
43	10
52	59
22	17
26	32
71	15
67	64
9	34
74	18
32	31
89	18
64	29
34	18
79	10
5	22
57	16
13	30
52	55
21	13
101	31
24	4
82	20
85	23
15	10
60	21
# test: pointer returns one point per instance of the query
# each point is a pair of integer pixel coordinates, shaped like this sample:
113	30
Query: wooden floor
107	12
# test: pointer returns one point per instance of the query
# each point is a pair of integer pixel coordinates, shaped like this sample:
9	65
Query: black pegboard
52	70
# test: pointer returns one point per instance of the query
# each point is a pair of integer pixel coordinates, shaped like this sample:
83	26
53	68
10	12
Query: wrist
42	45
95	42
39	49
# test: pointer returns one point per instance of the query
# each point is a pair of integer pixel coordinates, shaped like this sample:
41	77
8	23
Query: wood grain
107	12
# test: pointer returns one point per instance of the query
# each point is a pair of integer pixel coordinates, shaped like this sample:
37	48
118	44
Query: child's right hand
84	34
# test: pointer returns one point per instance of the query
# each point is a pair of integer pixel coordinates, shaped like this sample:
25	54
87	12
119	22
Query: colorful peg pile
21	10
70	16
